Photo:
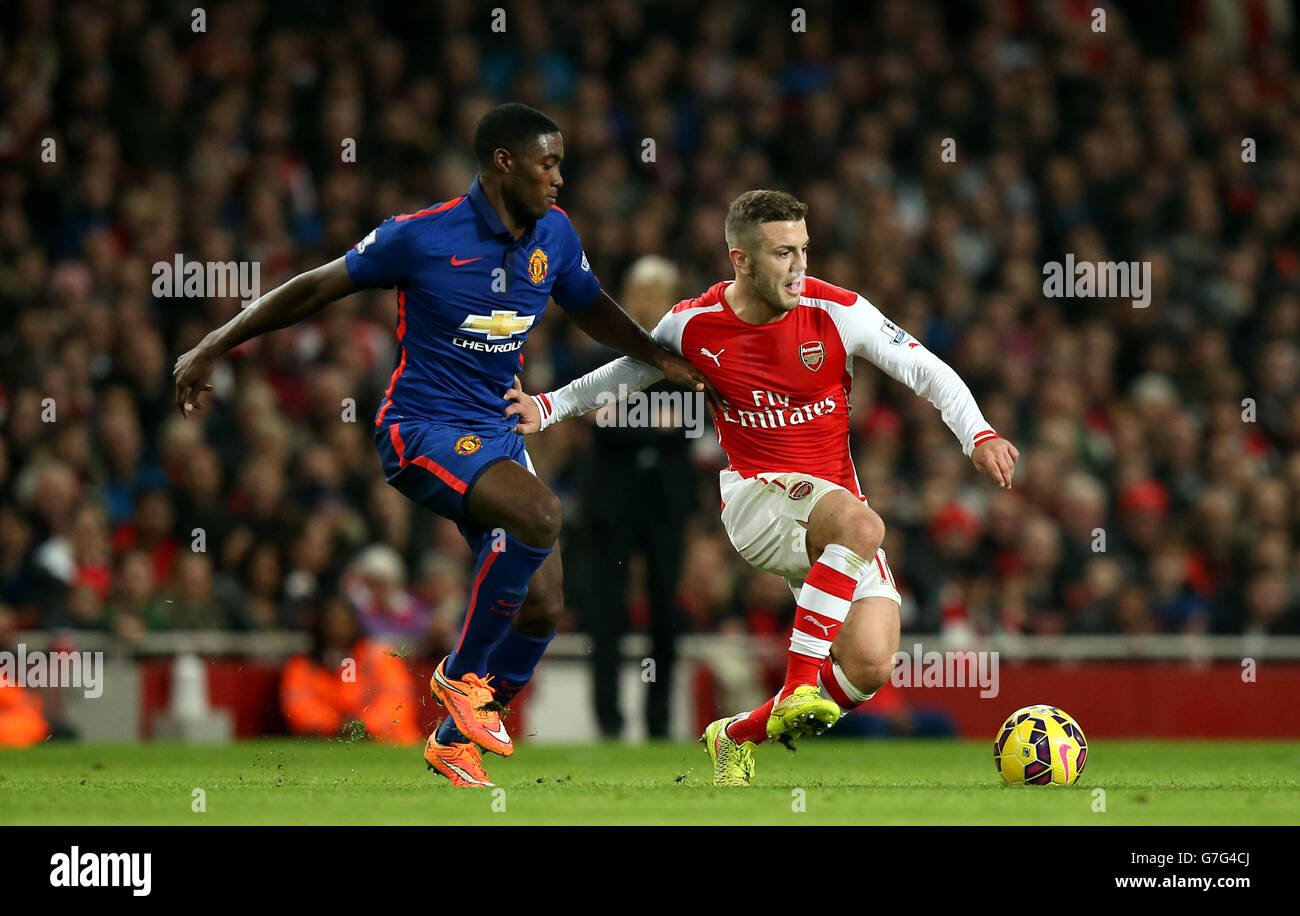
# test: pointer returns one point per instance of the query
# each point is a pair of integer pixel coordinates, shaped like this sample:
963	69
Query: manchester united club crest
468	445
813	354
537	264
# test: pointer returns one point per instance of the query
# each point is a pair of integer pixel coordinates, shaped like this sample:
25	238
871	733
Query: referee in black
638	490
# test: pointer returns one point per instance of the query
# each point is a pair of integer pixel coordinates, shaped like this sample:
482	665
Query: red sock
824	602
753	727
834	685
800	669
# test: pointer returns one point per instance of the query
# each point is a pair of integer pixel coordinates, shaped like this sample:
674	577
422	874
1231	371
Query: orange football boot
476	714
460	763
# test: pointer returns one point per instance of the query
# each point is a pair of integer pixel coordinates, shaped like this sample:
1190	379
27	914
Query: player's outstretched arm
287	304
869	334
601	386
605	322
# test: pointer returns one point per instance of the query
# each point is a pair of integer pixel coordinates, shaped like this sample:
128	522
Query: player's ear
739	260
502	159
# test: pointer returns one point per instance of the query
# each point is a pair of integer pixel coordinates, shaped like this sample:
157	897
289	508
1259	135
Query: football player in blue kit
472	276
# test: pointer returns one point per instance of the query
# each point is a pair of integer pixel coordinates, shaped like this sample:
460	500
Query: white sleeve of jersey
605	385
611	382
868	333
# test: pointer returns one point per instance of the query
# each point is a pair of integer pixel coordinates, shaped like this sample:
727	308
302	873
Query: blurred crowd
1159	484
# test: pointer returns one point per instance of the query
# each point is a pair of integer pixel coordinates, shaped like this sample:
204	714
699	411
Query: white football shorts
764	516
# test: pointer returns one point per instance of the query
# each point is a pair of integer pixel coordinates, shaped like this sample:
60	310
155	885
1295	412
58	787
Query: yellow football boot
733	762
804	712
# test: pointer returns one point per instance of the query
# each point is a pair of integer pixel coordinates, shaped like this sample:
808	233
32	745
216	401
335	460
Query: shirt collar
483	207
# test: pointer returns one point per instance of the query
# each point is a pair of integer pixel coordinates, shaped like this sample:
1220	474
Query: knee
869	531
539	523
862	531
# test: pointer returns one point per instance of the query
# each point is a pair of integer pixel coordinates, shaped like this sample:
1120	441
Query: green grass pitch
842	782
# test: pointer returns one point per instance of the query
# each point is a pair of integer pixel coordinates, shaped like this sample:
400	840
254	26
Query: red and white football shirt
785	384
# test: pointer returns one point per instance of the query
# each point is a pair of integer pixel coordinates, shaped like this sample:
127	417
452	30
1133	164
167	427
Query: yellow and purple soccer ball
1040	746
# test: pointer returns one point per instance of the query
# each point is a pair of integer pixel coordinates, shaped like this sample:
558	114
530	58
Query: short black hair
510	126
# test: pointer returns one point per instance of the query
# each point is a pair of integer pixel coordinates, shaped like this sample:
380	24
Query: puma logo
714	356
817	623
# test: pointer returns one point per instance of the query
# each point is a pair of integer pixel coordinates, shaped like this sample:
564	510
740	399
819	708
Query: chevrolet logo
499	325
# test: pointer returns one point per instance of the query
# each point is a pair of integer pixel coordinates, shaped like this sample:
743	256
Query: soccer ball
1040	746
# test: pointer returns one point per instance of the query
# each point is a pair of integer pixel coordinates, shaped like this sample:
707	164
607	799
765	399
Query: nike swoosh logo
456	263
1065	761
500	734
465	776
446	684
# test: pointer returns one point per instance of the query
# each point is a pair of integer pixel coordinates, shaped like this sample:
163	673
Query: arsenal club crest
813	354
800	490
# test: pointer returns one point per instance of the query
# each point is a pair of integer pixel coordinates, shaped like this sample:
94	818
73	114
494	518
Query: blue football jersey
467	294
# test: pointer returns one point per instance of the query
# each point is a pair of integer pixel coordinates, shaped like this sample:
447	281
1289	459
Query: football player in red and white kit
778	346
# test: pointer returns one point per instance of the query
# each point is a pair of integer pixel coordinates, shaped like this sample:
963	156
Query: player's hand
191	373
523	406
682	373
997	458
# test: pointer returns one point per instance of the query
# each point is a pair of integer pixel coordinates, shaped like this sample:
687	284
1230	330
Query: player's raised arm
285	305
869	334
